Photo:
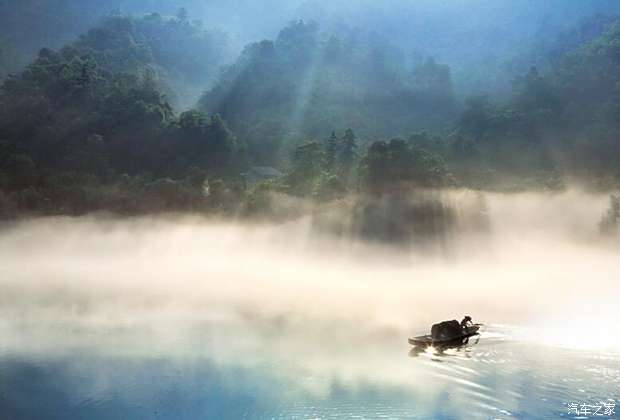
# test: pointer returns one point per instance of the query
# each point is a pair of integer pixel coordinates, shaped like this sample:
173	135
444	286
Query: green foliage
324	169
397	166
307	83
259	199
307	165
563	120
330	187
347	155
204	142
611	219
181	56
92	126
400	218
331	152
76	120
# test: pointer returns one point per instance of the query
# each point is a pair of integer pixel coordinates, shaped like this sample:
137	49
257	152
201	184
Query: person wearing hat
466	322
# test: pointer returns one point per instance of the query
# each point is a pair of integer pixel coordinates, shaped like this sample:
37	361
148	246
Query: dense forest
148	111
306	83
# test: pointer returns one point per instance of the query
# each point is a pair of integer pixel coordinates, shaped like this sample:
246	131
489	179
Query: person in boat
446	330
466	322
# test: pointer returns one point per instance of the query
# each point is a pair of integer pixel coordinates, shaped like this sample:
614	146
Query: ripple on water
493	377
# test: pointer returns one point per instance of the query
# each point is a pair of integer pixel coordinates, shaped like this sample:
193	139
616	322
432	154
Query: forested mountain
483	41
97	124
307	83
182	56
95	113
26	26
173	41
565	118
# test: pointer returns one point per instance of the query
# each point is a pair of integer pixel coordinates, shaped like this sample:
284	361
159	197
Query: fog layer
542	266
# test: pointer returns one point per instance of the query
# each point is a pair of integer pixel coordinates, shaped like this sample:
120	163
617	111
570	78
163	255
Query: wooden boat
427	340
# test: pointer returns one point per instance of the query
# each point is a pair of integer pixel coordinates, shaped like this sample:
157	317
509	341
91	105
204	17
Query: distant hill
183	56
307	83
172	42
565	117
91	125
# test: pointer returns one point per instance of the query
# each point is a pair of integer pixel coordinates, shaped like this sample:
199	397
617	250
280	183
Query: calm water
198	319
187	375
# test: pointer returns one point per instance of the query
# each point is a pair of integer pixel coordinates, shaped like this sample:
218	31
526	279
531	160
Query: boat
427	340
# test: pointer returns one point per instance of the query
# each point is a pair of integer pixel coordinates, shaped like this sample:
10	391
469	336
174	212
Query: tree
375	167
331	152
318	79
306	168
611	219
434	78
221	145
476	118
348	154
396	165
536	92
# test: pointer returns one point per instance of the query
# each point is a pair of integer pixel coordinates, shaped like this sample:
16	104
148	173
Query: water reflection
459	346
188	318
180	375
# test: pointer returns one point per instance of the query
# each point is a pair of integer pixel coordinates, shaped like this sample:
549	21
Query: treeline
93	126
89	126
338	165
307	83
182	56
52	24
562	121
26	26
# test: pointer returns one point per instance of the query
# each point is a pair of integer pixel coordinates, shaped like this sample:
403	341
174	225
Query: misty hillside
307	84
464	34
321	109
182	56
564	117
261	209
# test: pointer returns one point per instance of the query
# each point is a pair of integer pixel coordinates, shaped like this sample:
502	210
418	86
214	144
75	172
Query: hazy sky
469	35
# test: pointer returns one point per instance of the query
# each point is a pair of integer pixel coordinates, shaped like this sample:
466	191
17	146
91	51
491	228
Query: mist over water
249	210
300	314
540	261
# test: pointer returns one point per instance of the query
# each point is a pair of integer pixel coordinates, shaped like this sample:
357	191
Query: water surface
184	318
210	374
